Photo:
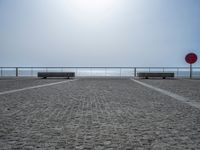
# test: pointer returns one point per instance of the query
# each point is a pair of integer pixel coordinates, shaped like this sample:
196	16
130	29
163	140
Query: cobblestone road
96	114
186	87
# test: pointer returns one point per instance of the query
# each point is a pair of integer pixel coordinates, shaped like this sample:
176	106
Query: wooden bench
56	74
163	75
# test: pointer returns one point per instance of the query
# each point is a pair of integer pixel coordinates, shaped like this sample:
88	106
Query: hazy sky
98	32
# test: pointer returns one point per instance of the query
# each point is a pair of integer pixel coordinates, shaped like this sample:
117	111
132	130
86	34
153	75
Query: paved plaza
98	114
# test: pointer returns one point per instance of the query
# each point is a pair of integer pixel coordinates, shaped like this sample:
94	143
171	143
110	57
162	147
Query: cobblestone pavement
189	88
96	114
17	83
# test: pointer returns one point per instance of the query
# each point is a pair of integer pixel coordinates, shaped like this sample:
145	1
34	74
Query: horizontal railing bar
100	67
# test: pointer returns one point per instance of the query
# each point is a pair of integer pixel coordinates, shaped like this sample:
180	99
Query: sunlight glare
93	7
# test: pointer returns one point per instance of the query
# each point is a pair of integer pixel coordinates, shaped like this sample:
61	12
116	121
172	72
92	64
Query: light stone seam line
34	87
173	95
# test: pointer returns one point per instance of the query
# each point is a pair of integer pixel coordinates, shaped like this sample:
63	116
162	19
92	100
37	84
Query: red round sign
191	58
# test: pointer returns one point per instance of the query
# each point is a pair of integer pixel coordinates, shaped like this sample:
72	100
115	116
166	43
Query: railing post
135	72
16	71
76	72
31	71
177	72
1	71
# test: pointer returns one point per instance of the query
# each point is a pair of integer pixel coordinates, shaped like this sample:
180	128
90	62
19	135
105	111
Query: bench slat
155	74
56	74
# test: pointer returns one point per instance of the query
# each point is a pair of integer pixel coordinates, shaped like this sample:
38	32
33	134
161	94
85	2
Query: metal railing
97	71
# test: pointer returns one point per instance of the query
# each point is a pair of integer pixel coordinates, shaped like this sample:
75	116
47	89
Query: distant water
97	72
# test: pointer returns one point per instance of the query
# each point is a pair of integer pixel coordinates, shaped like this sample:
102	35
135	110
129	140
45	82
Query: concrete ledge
163	75
56	74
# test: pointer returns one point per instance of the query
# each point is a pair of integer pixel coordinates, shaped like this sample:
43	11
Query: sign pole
190	71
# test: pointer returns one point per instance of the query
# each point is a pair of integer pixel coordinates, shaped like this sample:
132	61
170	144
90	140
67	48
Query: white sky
98	32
